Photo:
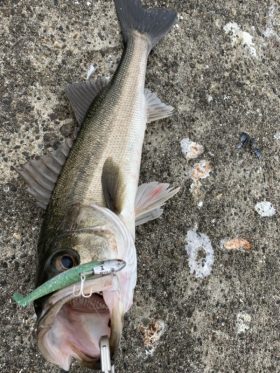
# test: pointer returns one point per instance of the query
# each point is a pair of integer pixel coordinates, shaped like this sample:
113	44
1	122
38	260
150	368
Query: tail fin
155	23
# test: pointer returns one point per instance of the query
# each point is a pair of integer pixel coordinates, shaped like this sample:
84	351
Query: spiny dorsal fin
82	94
112	185
156	109
149	199
41	174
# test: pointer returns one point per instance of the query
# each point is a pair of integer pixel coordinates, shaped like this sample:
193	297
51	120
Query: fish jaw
71	325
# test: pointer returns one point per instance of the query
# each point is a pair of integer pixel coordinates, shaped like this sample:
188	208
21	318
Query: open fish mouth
94	303
74	319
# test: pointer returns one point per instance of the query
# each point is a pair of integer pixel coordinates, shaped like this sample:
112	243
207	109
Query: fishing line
116	287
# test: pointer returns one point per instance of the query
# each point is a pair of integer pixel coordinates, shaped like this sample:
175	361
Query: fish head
72	320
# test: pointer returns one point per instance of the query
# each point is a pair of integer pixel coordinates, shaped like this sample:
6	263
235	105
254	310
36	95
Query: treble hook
81	290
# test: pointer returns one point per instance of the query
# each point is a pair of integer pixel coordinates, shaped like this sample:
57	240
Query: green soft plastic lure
69	277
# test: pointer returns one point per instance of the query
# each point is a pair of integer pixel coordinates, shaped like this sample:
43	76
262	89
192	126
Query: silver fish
92	199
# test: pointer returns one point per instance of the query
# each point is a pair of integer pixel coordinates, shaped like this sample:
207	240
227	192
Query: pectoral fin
156	108
82	94
149	199
112	185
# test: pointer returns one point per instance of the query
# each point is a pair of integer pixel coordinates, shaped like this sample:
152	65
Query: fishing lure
69	277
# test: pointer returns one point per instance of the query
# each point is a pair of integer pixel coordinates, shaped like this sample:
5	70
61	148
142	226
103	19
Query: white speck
199	243
243	321
269	31
277	136
34	317
241	37
17	236
265	209
90	72
209	98
88	3
200	204
191	149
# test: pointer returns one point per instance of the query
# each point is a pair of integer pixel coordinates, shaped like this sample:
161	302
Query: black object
254	149
246	141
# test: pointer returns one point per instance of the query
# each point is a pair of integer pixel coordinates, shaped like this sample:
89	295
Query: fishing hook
81	290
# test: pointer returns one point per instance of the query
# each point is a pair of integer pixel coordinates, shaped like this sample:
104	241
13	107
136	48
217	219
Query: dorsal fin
82	94
112	185
156	109
41	174
149	199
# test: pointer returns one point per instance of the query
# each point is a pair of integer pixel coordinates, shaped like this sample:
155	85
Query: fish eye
64	261
67	261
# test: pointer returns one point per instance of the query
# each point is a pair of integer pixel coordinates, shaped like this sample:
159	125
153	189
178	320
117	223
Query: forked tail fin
155	22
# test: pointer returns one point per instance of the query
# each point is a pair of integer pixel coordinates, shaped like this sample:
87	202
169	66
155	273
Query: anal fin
149	199
156	109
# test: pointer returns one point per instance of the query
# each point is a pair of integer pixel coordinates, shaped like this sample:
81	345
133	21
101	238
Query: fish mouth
74	319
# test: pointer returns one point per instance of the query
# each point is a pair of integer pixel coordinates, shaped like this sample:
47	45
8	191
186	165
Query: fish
89	190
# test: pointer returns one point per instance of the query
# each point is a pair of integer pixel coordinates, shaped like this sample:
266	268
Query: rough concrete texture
219	67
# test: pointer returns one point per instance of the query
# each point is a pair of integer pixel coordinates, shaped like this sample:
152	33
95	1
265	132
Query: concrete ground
219	68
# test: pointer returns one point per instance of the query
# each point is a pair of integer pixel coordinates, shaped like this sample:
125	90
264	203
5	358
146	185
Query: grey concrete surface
220	84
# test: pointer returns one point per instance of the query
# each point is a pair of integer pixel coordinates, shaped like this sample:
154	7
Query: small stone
277	136
237	244
57	45
200	204
201	170
17	236
191	149
151	334
243	322
265	209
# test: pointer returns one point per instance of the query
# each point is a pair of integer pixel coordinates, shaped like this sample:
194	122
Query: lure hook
81	290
